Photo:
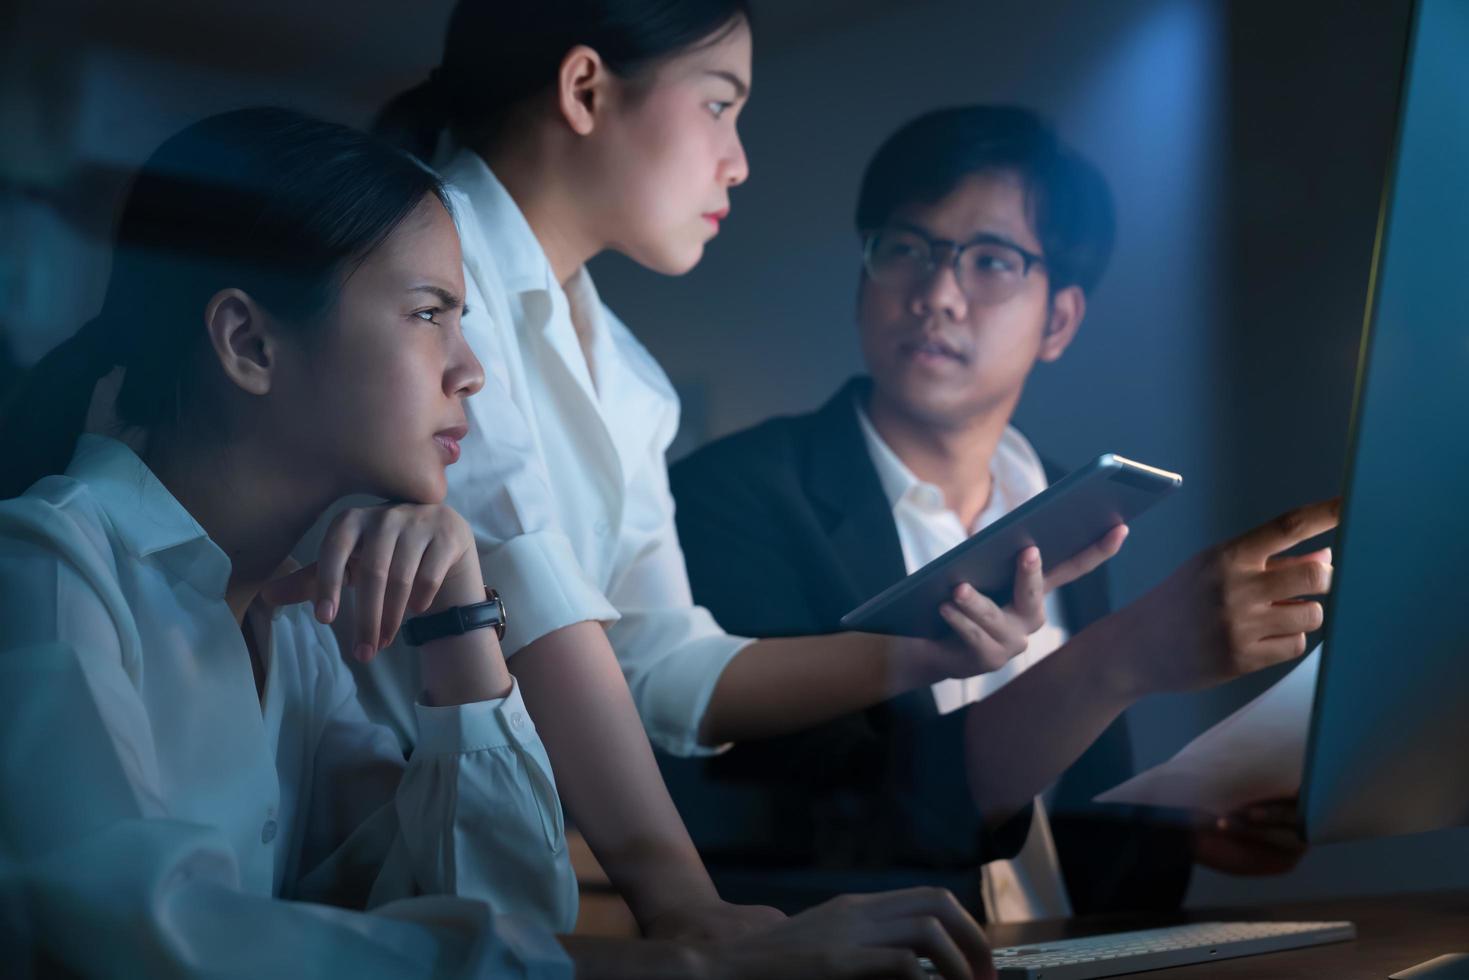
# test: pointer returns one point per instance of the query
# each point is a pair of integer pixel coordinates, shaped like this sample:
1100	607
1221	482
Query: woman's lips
715	217
448	441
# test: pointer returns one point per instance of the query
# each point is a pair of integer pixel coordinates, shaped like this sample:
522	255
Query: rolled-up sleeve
501	487
672	652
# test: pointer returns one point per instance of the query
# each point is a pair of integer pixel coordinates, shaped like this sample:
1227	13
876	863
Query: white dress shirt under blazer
162	818
1028	886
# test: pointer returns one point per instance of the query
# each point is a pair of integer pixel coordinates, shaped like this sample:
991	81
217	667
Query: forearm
605	770
1020	739
778	686
599	958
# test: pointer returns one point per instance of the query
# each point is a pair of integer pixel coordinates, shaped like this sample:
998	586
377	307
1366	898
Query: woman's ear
1068	309
581	88
243	345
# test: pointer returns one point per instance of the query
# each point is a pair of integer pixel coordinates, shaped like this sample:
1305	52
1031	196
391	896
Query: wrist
909	662
463	586
665	912
1116	658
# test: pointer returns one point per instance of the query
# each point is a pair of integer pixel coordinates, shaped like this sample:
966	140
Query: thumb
1322	555
298	586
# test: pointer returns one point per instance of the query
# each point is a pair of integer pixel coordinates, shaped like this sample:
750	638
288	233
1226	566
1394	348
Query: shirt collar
898	482
147	519
519	258
1016	471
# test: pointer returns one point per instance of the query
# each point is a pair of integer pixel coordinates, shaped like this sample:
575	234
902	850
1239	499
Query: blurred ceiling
363	50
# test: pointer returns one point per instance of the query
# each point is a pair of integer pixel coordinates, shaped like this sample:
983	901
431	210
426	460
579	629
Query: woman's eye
717	109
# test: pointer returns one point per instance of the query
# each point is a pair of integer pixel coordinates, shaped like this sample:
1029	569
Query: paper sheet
1255	754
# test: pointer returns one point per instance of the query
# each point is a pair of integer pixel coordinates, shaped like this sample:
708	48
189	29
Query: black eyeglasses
989	269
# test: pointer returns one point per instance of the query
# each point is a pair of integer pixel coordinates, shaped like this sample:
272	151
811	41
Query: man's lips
932	348
448	440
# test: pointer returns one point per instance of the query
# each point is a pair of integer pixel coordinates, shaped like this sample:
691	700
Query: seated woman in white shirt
190	785
565	129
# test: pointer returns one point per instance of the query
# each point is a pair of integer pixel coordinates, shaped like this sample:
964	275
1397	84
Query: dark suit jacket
785	528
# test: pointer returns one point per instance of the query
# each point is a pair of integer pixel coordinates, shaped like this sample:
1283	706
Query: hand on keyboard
862	936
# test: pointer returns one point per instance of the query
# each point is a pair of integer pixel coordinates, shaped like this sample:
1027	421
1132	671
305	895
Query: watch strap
457	620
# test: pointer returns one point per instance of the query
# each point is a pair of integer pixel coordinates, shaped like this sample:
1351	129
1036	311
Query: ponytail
413	120
42	420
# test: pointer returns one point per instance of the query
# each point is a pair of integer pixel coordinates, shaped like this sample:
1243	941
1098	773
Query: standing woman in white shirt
189	784
565	128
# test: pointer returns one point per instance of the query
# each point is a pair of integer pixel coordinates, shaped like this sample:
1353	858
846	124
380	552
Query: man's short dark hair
1070	204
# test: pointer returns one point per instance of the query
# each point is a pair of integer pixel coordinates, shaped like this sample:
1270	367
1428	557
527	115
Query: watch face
494	596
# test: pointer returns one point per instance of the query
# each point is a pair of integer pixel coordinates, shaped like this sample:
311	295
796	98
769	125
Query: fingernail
324	611
1032	557
364	652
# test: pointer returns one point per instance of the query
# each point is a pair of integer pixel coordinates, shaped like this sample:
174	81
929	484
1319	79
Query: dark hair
498	54
1070	204
269	201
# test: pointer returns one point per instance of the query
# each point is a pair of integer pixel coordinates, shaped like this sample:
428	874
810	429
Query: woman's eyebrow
446	297
741	87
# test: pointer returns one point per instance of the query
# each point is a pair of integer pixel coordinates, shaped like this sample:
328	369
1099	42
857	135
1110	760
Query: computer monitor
1389	745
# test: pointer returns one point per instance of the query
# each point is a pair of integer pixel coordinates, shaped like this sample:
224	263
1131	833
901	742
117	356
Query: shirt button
602	528
517	720
267	832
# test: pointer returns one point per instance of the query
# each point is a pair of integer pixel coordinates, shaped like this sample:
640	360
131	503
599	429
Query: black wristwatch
457	620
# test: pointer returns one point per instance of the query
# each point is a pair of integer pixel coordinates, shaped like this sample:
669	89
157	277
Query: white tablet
1061	520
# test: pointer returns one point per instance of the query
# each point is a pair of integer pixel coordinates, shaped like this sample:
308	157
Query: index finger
1029	595
1086	560
942	905
1290	529
289	589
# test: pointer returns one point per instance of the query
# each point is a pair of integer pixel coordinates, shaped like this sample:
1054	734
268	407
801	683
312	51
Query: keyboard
1154	949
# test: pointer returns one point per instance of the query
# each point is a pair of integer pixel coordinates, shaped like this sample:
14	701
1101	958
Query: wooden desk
1393	933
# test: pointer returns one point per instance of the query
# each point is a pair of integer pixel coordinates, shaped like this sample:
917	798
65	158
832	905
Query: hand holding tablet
1066	522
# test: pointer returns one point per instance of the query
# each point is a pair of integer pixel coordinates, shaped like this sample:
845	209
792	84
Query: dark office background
1245	142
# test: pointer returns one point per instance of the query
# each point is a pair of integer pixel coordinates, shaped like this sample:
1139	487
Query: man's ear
581	88
242	344
1068	309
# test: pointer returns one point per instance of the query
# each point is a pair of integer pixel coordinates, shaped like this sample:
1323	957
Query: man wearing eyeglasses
982	236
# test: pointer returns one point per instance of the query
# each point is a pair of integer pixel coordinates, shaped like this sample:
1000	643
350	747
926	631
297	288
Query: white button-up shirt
563	476
1029	886
158	811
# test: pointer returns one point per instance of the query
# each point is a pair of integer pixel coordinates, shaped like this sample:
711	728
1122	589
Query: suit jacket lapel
849	499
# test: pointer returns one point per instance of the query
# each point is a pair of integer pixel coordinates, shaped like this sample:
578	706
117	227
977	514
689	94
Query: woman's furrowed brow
447	297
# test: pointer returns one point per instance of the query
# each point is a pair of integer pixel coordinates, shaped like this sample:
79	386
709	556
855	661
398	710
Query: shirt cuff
459	728
543	586
674	694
